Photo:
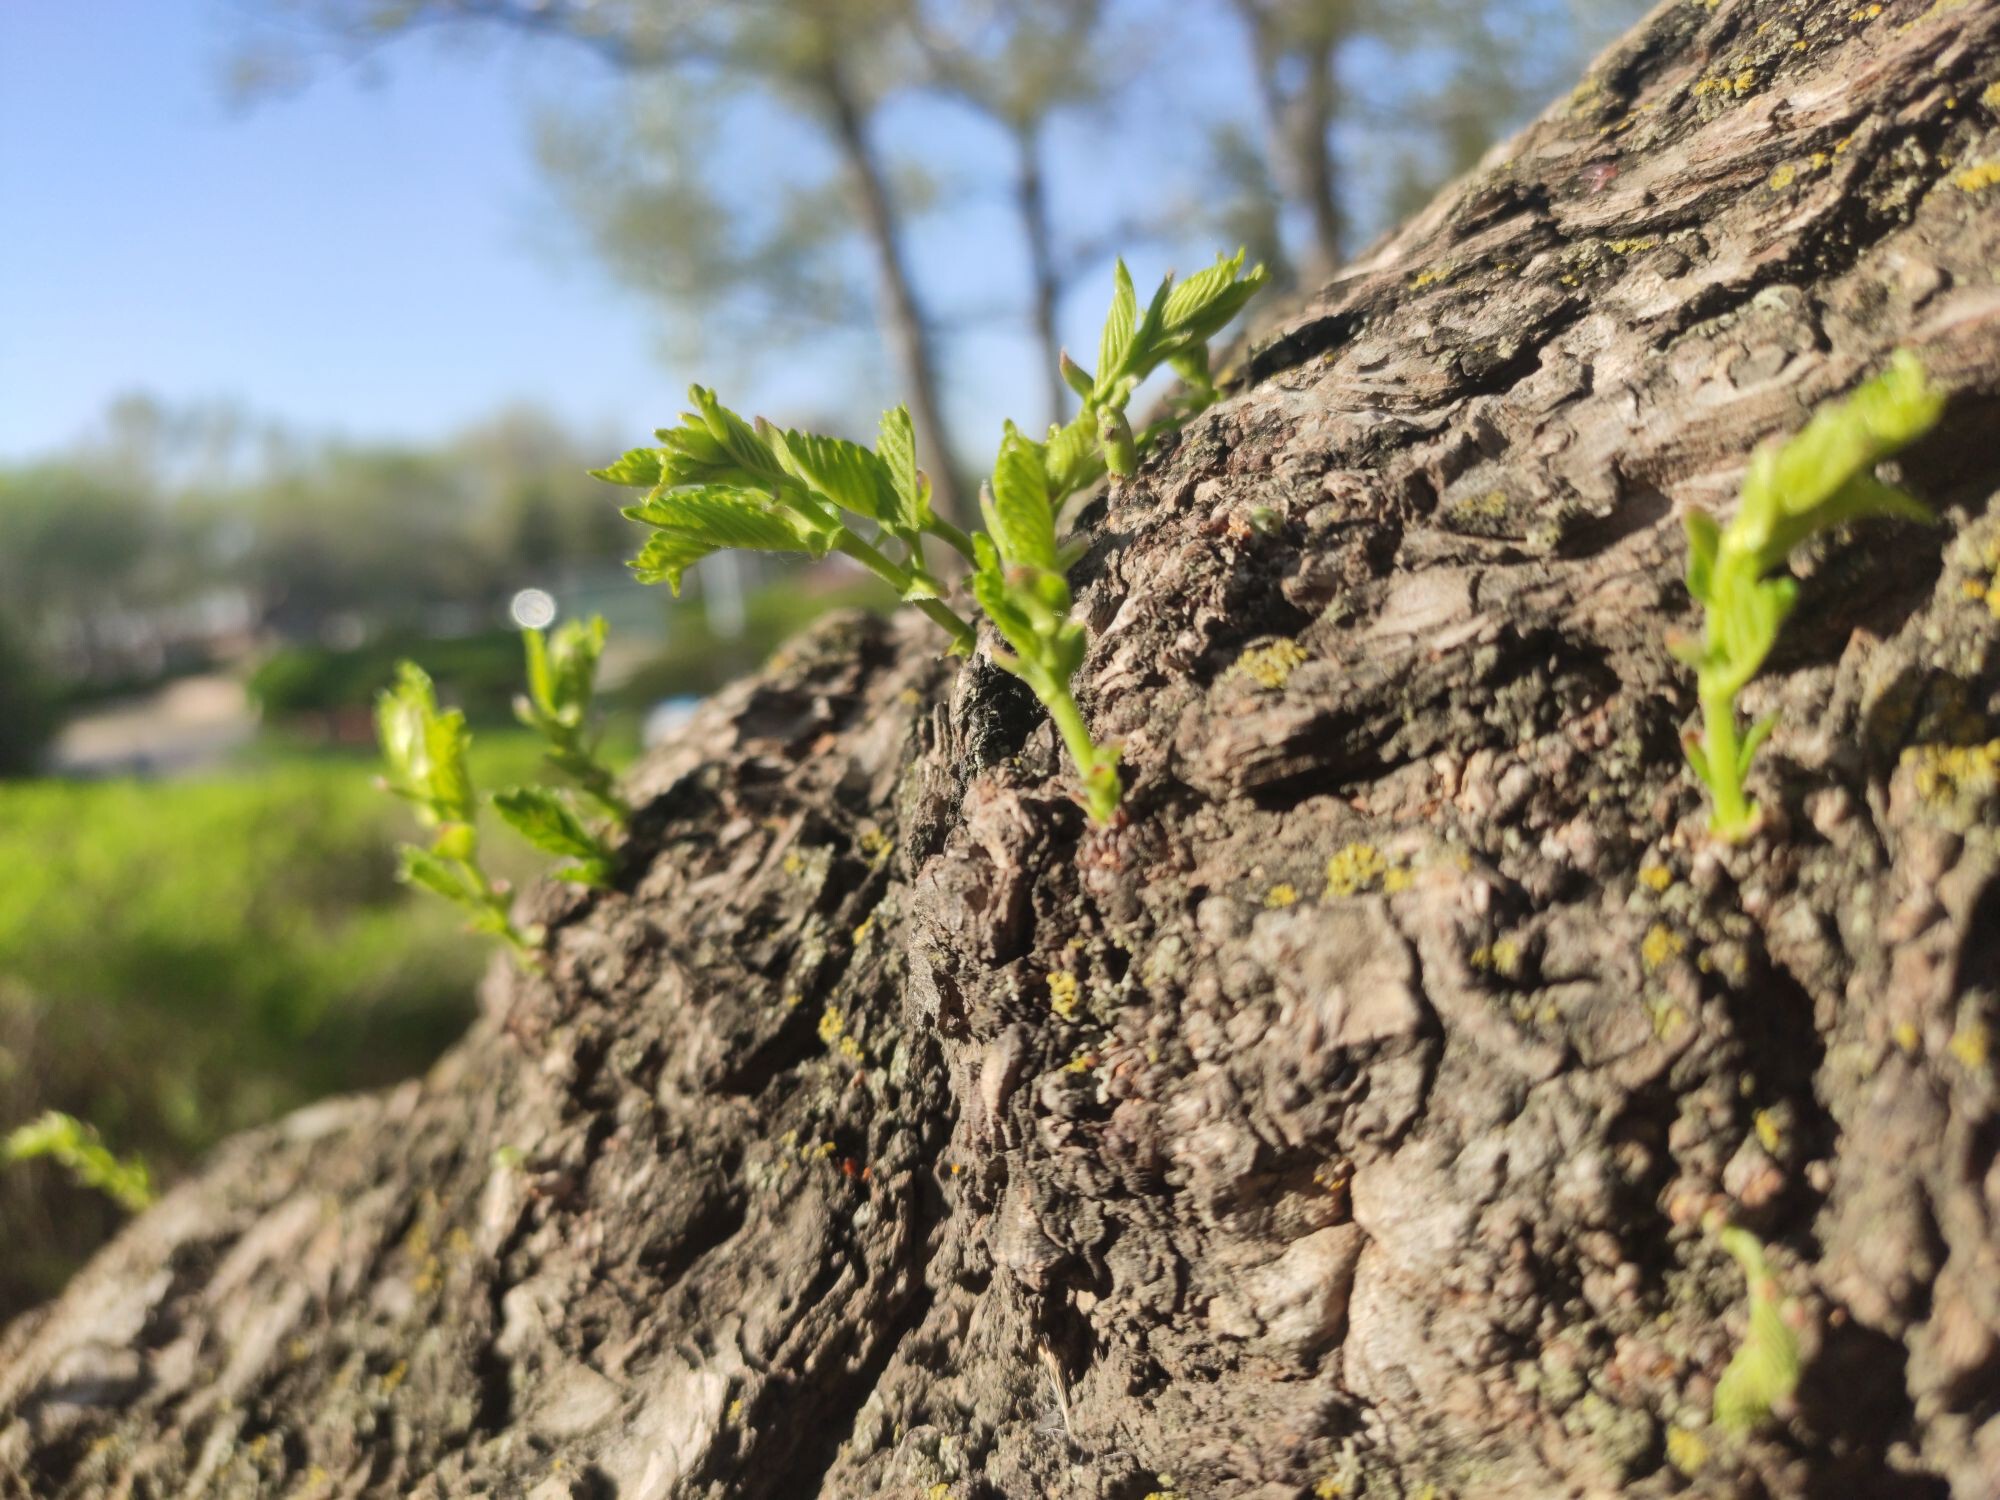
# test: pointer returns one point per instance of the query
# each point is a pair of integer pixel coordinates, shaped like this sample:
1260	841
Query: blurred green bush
479	673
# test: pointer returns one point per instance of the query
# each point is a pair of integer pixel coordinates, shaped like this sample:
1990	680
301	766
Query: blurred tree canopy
1351	109
125	559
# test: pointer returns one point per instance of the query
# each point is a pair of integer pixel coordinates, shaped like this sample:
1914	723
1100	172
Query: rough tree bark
883	1091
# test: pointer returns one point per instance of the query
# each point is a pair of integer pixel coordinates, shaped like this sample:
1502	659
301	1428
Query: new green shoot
718	481
75	1147
562	678
425	751
1765	1368
1813	482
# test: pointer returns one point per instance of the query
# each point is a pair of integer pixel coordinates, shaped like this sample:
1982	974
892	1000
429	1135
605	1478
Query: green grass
176	946
182	959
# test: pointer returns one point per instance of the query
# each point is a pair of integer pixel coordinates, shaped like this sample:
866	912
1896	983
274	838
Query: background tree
1367	105
1019	63
656	210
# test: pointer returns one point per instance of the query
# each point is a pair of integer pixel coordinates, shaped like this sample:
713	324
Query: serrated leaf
1119	326
1201	289
1072	457
666	556
1152	329
1019	514
845	473
896	447
640	468
421	867
1203	305
736	437
997	602
547	821
690	524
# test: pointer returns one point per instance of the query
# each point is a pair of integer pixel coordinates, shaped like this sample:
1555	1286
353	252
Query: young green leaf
896	447
1845	440
1019	513
573	653
439	876
641	468
666	556
689	524
446	743
1204	304
1119	327
77	1148
401	712
736	437
1817	480
424	748
1071	456
547	821
846	474
1703	535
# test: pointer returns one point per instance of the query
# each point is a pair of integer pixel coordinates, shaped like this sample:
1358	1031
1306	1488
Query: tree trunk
904	325
1311	137
1298	122
1031	201
1343	1122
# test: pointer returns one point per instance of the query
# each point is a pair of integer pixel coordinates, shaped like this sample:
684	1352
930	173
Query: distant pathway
184	727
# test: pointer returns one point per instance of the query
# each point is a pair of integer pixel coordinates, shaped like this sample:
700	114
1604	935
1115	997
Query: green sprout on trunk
1765	1368
76	1148
425	750
1820	479
562	677
717	481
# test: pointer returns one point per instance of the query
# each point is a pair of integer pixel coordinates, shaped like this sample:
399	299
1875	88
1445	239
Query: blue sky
360	256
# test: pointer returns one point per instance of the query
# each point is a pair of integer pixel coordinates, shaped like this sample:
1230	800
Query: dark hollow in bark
883	1095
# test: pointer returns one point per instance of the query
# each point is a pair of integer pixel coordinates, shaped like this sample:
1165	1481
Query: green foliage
425	752
1019	570
1765	1369
480	672
717	481
562	679
546	820
75	1147
725	483
1820	479
165	948
183	959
